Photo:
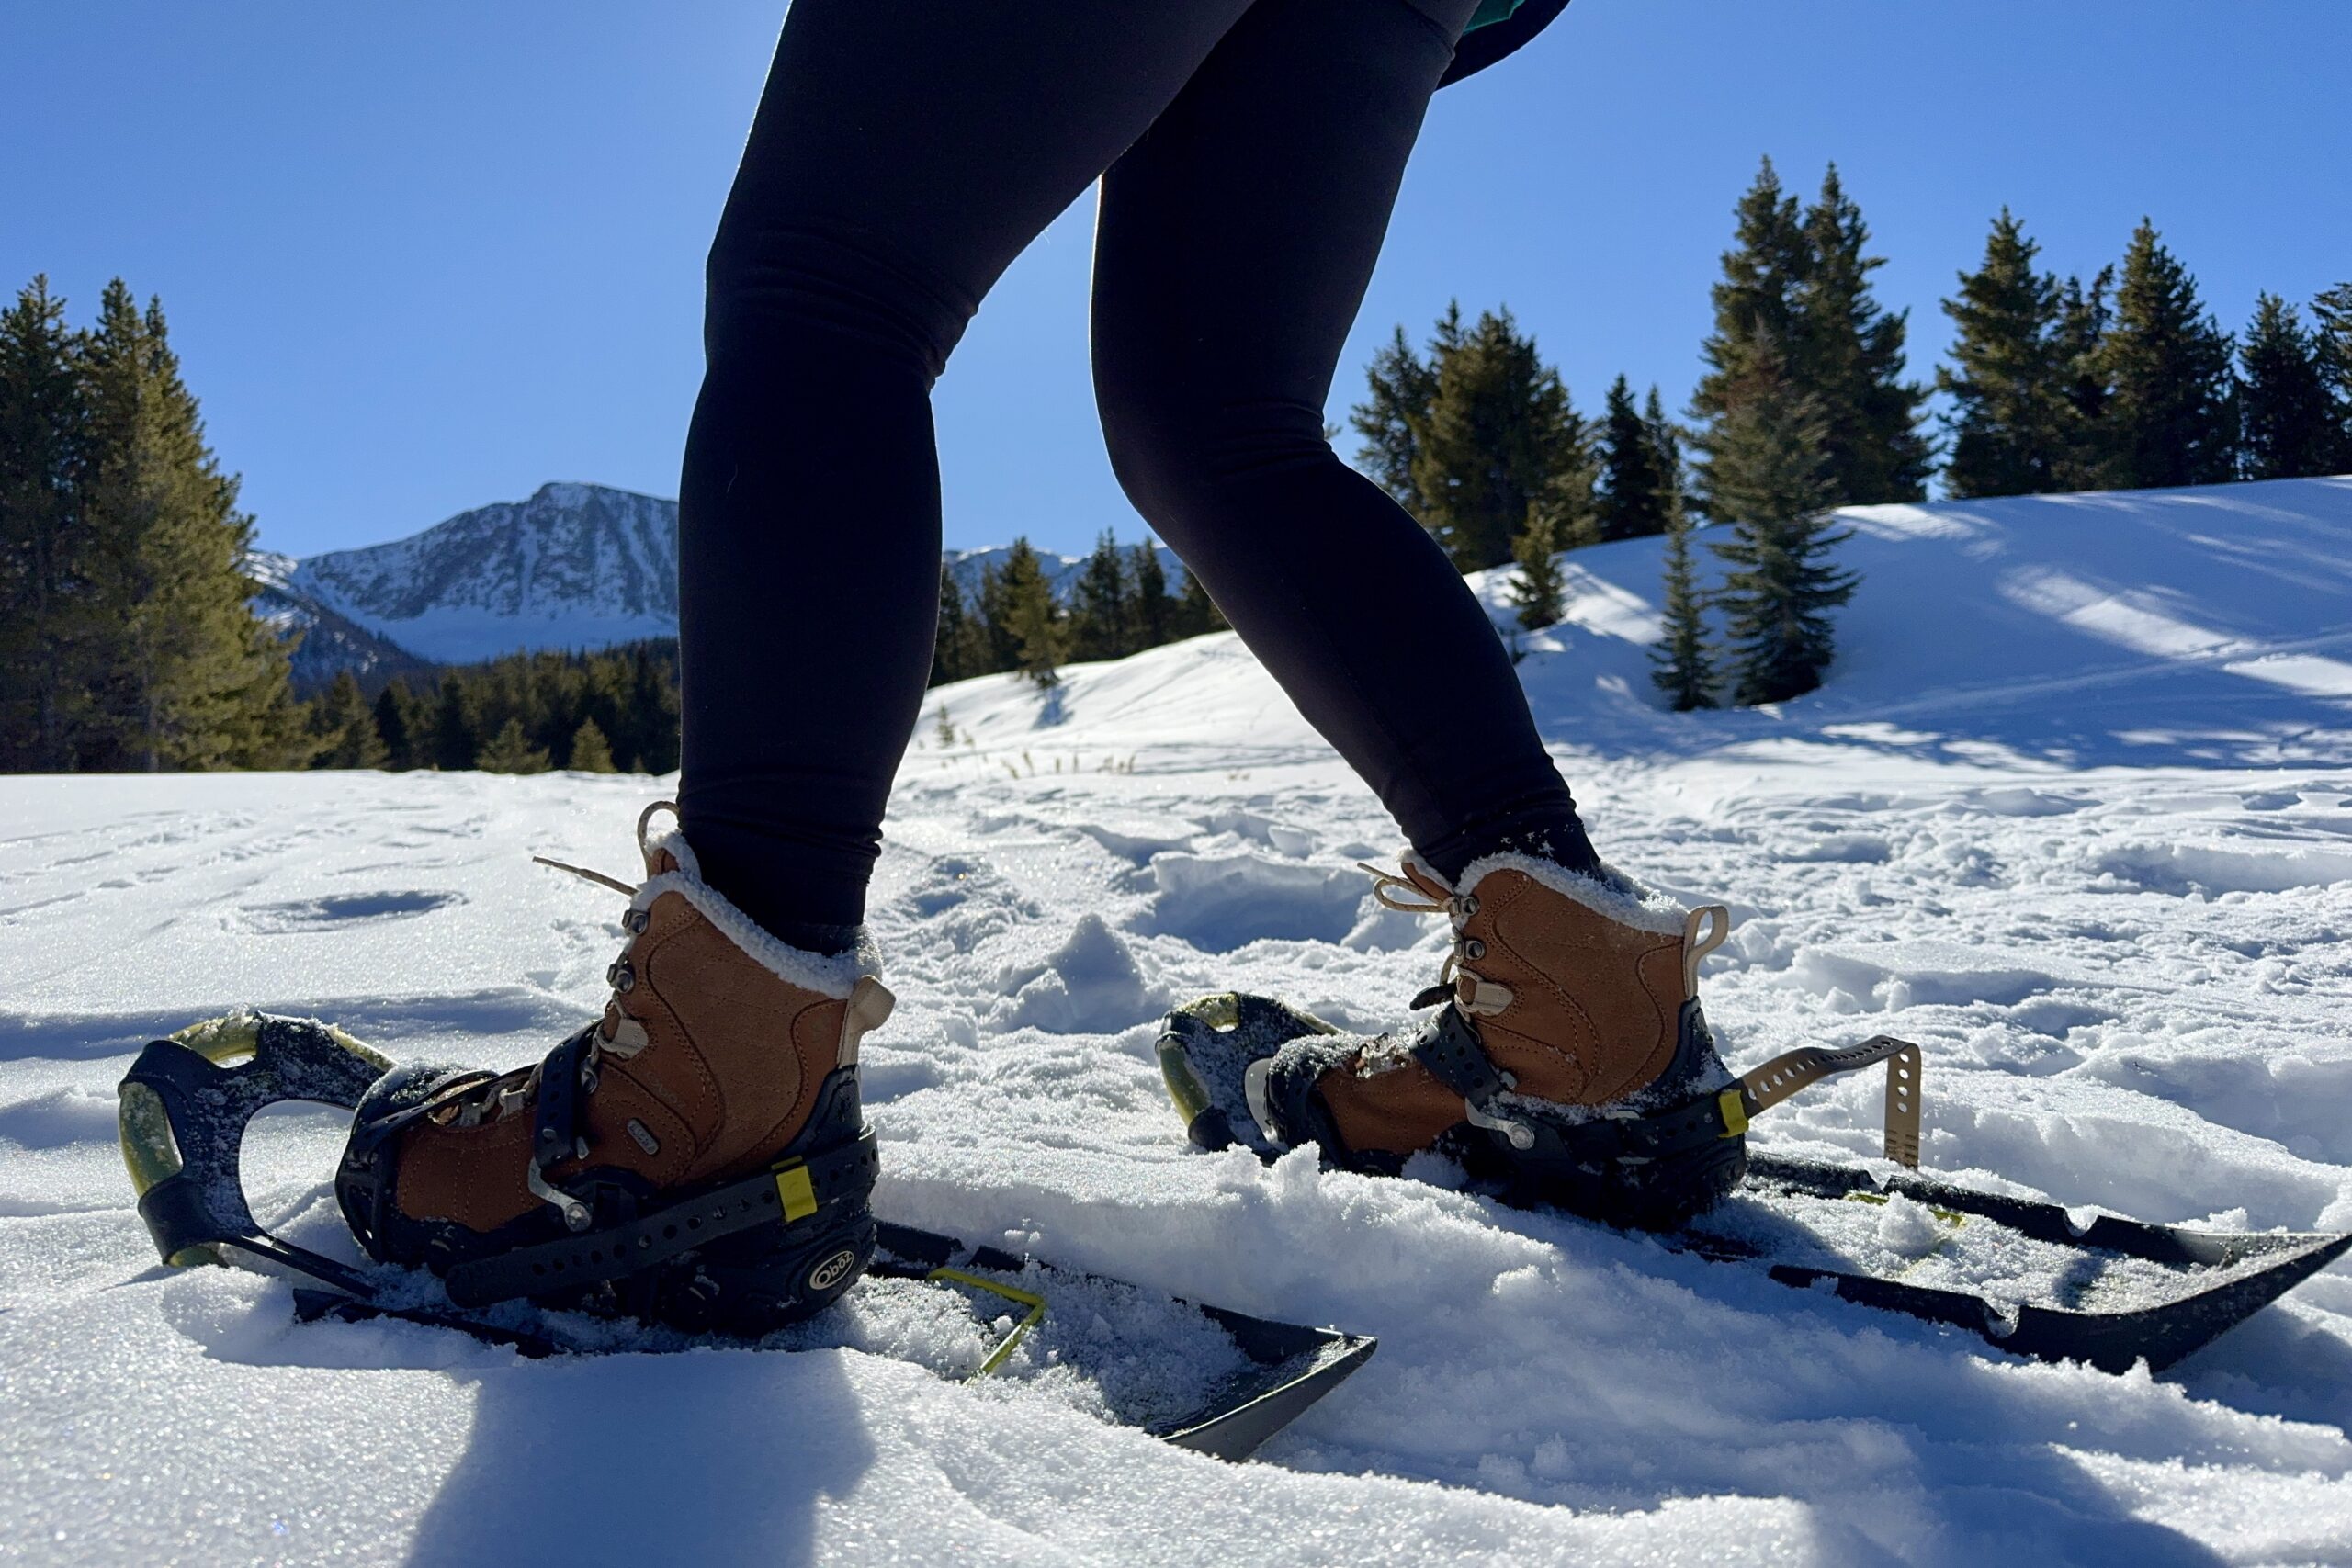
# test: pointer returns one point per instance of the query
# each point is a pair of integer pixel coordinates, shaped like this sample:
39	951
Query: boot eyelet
637	921
1473	948
1469	905
621	976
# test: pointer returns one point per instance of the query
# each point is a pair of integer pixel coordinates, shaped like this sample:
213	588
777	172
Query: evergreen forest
129	642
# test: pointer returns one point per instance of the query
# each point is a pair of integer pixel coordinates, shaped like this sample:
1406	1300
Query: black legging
904	153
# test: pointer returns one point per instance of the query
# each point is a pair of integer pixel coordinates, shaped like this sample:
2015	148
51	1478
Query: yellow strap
794	1191
1734	1110
1030	1299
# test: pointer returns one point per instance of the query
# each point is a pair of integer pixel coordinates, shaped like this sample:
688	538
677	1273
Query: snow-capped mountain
576	566
330	641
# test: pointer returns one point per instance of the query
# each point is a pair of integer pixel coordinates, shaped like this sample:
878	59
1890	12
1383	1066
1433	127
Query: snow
2074	813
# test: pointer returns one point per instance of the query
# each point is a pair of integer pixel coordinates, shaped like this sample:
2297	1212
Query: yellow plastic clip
1735	1111
794	1191
1030	1299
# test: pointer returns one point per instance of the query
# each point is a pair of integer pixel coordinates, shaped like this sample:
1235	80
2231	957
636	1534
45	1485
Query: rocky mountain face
576	566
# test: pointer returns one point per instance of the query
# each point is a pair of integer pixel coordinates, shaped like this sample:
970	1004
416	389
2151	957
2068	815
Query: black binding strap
1451	1051
847	1170
556	1127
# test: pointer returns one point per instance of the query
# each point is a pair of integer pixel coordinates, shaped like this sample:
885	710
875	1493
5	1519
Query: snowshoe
2030	1277
1199	1377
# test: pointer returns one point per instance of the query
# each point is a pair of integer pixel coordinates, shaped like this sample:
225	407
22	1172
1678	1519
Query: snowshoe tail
2212	1280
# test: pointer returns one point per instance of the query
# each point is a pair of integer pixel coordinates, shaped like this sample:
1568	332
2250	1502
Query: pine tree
2012	419
1685	671
194	679
511	752
1155	612
1196	613
343	726
653	709
1500	436
1769	475
1666	441
1031	619
2332	317
1402	387
2171	414
2289	429
1848	355
959	651
590	752
1802	279
49	624
1630	501
1757	296
1538	586
399	722
452	741
1101	616
2083	315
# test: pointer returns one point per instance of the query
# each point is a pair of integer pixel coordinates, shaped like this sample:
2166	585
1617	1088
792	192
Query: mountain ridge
572	566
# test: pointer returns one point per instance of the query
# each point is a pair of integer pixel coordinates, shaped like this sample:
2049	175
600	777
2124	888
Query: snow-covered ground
2075	814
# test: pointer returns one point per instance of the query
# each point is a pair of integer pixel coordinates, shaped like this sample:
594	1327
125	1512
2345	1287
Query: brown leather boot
696	1155
1569	1065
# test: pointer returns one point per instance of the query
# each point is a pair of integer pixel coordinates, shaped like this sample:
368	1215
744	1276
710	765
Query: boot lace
487	1100
1468	990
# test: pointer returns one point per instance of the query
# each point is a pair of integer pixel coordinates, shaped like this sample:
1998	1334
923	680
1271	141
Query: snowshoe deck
1225	1382
2024	1275
2110	1292
1199	1377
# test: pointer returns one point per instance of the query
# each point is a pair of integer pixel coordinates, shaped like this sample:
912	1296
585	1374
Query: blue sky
424	257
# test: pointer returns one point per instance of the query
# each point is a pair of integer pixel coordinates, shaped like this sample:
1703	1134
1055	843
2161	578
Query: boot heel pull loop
1695	946
869	1008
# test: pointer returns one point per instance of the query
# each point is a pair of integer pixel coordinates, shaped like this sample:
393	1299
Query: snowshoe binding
1568	1062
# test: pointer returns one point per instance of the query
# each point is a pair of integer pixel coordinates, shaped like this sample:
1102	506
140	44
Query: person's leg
903	154
1235	242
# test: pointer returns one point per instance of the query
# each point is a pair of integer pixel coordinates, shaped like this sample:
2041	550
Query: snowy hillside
2074	813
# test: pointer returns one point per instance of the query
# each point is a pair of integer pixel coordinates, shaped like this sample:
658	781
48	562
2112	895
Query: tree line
616	710
1119	603
128	639
1803	406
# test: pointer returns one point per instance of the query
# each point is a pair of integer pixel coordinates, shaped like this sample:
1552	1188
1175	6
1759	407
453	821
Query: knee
1175	456
777	291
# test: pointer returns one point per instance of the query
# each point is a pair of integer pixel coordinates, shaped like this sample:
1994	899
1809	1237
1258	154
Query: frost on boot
1568	1064
696	1155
